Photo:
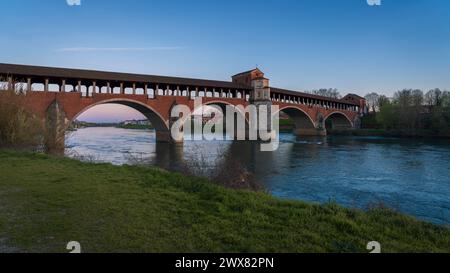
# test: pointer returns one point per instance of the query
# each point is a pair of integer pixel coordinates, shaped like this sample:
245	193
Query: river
411	176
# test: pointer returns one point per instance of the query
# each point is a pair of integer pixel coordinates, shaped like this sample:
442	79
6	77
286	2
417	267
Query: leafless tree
372	101
327	92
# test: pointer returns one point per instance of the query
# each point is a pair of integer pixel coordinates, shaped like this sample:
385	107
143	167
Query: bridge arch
338	120
155	118
223	105
304	123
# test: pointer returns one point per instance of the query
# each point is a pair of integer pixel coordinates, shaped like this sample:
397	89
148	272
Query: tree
407	114
445	99
403	98
372	100
388	116
434	97
383	100
18	127
327	92
417	98
410	108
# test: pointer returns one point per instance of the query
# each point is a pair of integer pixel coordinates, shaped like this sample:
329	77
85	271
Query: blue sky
299	44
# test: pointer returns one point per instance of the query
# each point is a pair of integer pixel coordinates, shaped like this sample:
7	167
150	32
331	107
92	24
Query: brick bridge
67	93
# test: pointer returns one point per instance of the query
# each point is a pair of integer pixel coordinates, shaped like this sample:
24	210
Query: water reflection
411	176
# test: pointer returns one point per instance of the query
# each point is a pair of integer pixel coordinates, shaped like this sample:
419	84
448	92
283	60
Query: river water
410	176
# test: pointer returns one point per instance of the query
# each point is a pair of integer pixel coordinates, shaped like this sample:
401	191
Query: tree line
410	111
326	92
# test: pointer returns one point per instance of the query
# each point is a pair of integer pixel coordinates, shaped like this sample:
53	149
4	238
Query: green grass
46	202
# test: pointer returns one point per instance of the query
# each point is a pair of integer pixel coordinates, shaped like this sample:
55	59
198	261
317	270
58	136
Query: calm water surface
411	176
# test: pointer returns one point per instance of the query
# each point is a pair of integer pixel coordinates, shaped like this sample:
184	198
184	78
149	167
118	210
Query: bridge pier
55	129
166	137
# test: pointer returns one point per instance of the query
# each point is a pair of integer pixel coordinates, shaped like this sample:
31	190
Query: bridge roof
307	95
42	72
78	74
247	72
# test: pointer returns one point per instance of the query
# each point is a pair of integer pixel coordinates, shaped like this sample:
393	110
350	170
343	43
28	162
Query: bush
439	120
387	117
19	129
370	122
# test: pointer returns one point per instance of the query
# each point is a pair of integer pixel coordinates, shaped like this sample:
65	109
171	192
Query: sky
299	44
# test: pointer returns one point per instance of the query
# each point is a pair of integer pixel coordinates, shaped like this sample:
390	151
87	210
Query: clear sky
299	44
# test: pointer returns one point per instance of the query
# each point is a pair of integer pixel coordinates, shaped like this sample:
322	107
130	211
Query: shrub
19	129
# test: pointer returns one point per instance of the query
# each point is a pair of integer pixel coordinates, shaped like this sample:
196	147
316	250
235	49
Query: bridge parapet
312	101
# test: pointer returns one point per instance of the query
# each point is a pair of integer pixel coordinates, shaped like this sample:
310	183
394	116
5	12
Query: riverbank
47	202
131	126
135	127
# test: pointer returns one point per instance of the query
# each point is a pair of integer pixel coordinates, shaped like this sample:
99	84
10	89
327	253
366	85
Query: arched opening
337	121
151	93
113	130
69	88
121	112
298	121
128	90
93	89
240	116
116	90
37	87
84	90
53	88
139	91
214	114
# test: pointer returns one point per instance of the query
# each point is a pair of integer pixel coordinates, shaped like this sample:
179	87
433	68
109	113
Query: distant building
353	98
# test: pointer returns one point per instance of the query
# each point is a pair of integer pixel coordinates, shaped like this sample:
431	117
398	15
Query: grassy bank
46	202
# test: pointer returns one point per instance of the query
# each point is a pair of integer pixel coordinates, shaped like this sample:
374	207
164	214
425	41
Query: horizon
300	45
